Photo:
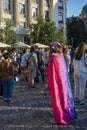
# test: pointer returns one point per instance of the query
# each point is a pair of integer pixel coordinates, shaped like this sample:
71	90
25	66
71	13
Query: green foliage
44	32
47	33
1	35
7	34
61	35
76	31
36	29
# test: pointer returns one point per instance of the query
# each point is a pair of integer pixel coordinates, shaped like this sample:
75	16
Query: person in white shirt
67	58
80	73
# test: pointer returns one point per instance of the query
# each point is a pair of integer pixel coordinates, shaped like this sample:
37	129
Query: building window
34	12
6	6
47	16
60	17
60	4
21	9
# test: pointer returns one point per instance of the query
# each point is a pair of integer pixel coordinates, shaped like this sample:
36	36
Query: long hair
50	52
80	51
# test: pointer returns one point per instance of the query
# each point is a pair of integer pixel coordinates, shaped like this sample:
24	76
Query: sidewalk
31	111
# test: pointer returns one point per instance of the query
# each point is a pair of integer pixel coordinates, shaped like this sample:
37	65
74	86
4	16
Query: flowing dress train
60	90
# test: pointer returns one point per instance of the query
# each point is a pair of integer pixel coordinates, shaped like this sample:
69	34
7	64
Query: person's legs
10	89
33	73
42	74
5	86
1	88
82	86
37	77
76	87
32	81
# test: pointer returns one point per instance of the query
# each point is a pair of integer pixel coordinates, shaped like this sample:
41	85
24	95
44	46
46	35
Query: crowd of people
21	65
52	64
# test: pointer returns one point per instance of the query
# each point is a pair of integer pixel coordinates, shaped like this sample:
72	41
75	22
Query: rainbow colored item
60	90
55	44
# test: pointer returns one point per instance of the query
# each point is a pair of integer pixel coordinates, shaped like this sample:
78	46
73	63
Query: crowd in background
23	64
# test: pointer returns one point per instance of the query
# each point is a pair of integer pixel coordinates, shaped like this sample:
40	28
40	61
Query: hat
55	44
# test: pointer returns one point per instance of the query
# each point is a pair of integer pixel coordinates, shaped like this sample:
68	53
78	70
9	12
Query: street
32	111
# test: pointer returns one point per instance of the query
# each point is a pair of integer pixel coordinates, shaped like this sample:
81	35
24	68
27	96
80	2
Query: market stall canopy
40	45
21	45
4	45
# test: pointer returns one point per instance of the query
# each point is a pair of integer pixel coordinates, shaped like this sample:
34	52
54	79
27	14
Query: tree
42	32
61	35
1	35
76	31
7	33
35	29
48	33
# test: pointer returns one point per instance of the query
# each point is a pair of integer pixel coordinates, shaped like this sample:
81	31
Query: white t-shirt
79	65
45	57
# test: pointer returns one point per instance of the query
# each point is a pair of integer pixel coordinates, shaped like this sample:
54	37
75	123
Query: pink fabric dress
60	90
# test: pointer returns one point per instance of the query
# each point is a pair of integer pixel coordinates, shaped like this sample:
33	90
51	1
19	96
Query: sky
74	7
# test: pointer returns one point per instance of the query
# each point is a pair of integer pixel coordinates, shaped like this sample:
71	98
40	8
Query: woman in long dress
80	74
60	87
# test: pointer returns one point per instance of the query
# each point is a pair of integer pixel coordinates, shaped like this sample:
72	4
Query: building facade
23	12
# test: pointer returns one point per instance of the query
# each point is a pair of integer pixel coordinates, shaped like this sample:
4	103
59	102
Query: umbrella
21	44
4	45
40	45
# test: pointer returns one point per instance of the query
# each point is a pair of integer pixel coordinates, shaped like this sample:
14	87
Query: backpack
28	60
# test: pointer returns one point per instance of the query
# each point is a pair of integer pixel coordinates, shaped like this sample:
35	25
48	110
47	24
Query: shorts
24	69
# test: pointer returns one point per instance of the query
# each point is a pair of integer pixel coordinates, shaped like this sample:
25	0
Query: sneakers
10	101
5	100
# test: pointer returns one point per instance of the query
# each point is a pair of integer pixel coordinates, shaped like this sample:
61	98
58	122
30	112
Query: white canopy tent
40	45
4	45
21	45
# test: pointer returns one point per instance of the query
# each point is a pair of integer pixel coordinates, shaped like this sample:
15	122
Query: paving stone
31	111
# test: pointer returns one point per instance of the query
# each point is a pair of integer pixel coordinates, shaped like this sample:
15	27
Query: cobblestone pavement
31	111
